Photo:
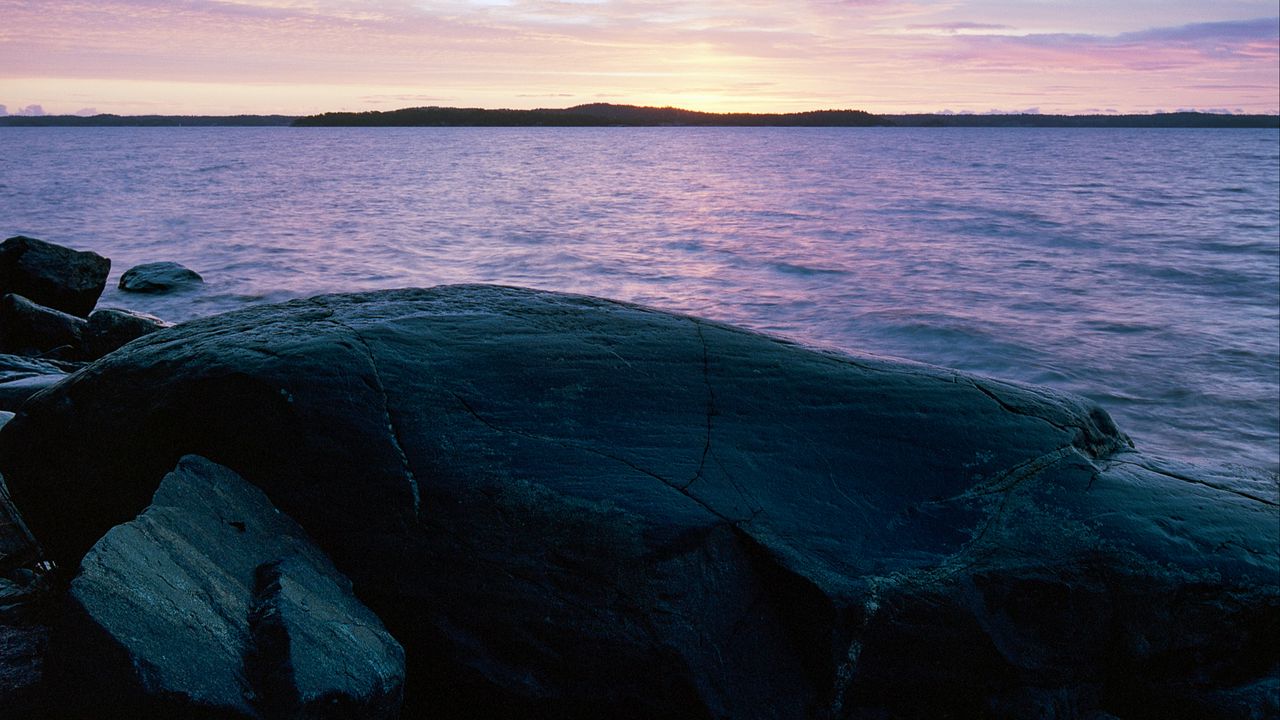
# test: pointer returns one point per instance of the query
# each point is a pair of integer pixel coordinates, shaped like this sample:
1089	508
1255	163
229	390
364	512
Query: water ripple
1141	268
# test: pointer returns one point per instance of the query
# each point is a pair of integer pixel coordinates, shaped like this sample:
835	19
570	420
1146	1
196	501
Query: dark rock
24	638
109	329
21	377
30	329
15	392
319	654
52	275
158	277
22	650
23	634
214	604
18	548
16	367
564	506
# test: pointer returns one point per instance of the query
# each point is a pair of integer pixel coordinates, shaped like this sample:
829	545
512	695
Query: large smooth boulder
158	277
565	506
52	275
214	604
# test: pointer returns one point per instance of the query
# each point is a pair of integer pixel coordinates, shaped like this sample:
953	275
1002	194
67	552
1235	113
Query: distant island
610	115
595	115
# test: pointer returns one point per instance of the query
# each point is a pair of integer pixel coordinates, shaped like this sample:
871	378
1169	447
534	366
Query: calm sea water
1140	268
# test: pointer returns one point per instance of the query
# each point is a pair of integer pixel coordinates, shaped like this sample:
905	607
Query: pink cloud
719	54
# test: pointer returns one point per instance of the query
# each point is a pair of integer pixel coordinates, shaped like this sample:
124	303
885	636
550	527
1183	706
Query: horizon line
940	113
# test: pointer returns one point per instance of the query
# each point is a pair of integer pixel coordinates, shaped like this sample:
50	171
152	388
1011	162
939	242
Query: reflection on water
1137	267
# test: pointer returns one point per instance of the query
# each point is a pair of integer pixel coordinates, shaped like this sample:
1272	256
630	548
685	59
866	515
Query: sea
1136	267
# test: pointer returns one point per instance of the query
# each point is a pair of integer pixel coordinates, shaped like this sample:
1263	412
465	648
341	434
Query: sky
306	56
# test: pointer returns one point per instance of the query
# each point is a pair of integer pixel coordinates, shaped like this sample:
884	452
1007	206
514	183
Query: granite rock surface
565	506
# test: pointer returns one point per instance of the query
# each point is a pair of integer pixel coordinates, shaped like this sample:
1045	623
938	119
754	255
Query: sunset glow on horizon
308	56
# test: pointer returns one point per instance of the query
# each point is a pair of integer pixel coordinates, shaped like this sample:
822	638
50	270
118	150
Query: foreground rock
213	604
563	506
51	275
158	277
30	329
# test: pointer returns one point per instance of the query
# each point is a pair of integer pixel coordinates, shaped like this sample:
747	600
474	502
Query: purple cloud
1239	31
1152	49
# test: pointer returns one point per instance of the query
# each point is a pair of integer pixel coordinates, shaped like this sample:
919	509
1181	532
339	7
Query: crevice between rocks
267	665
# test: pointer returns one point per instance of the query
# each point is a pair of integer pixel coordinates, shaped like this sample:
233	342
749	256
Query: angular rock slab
567	506
212	603
51	275
21	377
30	329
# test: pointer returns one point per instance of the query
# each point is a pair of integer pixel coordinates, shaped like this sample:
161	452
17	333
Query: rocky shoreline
480	501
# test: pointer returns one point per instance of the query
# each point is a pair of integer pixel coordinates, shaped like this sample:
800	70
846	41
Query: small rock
213	603
52	275
110	329
158	277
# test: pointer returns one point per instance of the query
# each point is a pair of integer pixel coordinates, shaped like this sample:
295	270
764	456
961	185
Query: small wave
1120	327
805	270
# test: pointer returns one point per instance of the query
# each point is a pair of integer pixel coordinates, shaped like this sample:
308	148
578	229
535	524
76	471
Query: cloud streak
1194	46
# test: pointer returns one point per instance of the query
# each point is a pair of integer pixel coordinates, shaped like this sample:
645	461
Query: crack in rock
1193	481
711	402
392	431
682	489
1096	448
1023	471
